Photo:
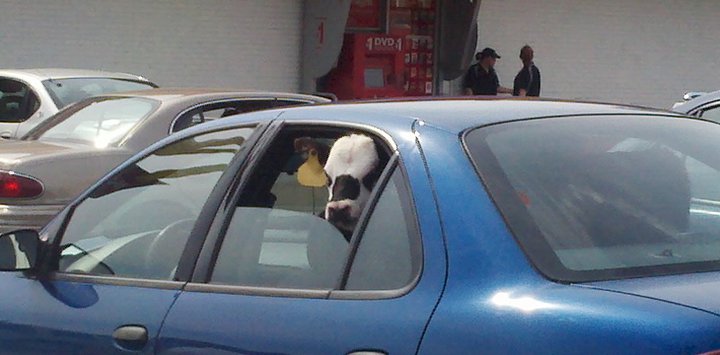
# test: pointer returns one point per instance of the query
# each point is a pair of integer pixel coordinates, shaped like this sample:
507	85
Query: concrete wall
230	43
646	52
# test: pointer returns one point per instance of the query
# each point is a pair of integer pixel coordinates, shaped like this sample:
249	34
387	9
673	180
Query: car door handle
131	337
367	352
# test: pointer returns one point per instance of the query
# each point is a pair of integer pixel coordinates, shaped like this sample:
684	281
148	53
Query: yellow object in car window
311	173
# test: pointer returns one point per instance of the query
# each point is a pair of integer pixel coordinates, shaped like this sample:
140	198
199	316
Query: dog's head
352	171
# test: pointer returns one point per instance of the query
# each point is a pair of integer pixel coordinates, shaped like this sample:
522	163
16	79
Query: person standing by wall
527	80
481	78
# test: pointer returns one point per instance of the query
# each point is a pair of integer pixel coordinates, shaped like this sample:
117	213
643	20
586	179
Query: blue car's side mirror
19	250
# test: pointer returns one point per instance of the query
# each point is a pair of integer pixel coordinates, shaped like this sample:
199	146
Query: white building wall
646	52
250	44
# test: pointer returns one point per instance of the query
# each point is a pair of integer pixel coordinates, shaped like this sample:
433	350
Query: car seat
12	101
11	108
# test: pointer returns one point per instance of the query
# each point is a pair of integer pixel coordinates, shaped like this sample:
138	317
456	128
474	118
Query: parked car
706	106
58	159
687	97
494	226
30	96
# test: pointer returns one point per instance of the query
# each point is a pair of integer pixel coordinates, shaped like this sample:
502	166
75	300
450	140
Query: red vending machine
370	65
415	20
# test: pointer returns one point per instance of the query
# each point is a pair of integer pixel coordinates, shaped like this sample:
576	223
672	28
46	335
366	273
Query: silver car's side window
711	114
137	222
213	111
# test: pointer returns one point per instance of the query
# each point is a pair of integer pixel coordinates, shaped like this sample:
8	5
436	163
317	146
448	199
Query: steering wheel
165	250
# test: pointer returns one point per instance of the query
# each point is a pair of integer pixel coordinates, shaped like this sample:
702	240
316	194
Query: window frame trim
116	280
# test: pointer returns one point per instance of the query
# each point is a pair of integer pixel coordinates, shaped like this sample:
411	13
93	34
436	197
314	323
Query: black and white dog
352	169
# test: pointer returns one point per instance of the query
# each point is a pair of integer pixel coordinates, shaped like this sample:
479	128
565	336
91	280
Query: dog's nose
335	212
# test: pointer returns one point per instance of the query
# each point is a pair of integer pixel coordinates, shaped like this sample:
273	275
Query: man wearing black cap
481	78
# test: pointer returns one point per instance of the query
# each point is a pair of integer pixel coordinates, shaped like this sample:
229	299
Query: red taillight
18	186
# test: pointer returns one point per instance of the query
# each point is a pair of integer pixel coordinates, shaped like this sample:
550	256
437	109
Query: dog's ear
305	144
302	144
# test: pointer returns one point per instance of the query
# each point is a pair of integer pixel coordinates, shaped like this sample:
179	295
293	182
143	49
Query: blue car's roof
452	114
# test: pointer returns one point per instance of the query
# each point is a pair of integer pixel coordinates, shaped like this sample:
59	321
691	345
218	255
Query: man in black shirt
527	81
481	78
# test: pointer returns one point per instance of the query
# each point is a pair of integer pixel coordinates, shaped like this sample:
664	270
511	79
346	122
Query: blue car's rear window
606	197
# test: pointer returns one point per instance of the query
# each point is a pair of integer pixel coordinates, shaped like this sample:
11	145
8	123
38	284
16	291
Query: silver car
706	106
29	96
64	155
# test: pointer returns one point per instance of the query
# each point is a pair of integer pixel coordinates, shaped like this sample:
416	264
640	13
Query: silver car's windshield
67	91
101	123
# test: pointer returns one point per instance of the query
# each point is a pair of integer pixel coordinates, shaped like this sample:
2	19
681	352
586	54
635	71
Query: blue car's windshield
592	198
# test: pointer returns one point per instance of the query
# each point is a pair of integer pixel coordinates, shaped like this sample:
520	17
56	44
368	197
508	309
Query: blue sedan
443	226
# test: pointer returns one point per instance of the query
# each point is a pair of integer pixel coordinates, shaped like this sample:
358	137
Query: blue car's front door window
136	223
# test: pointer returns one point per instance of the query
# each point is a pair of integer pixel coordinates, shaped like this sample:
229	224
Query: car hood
692	290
